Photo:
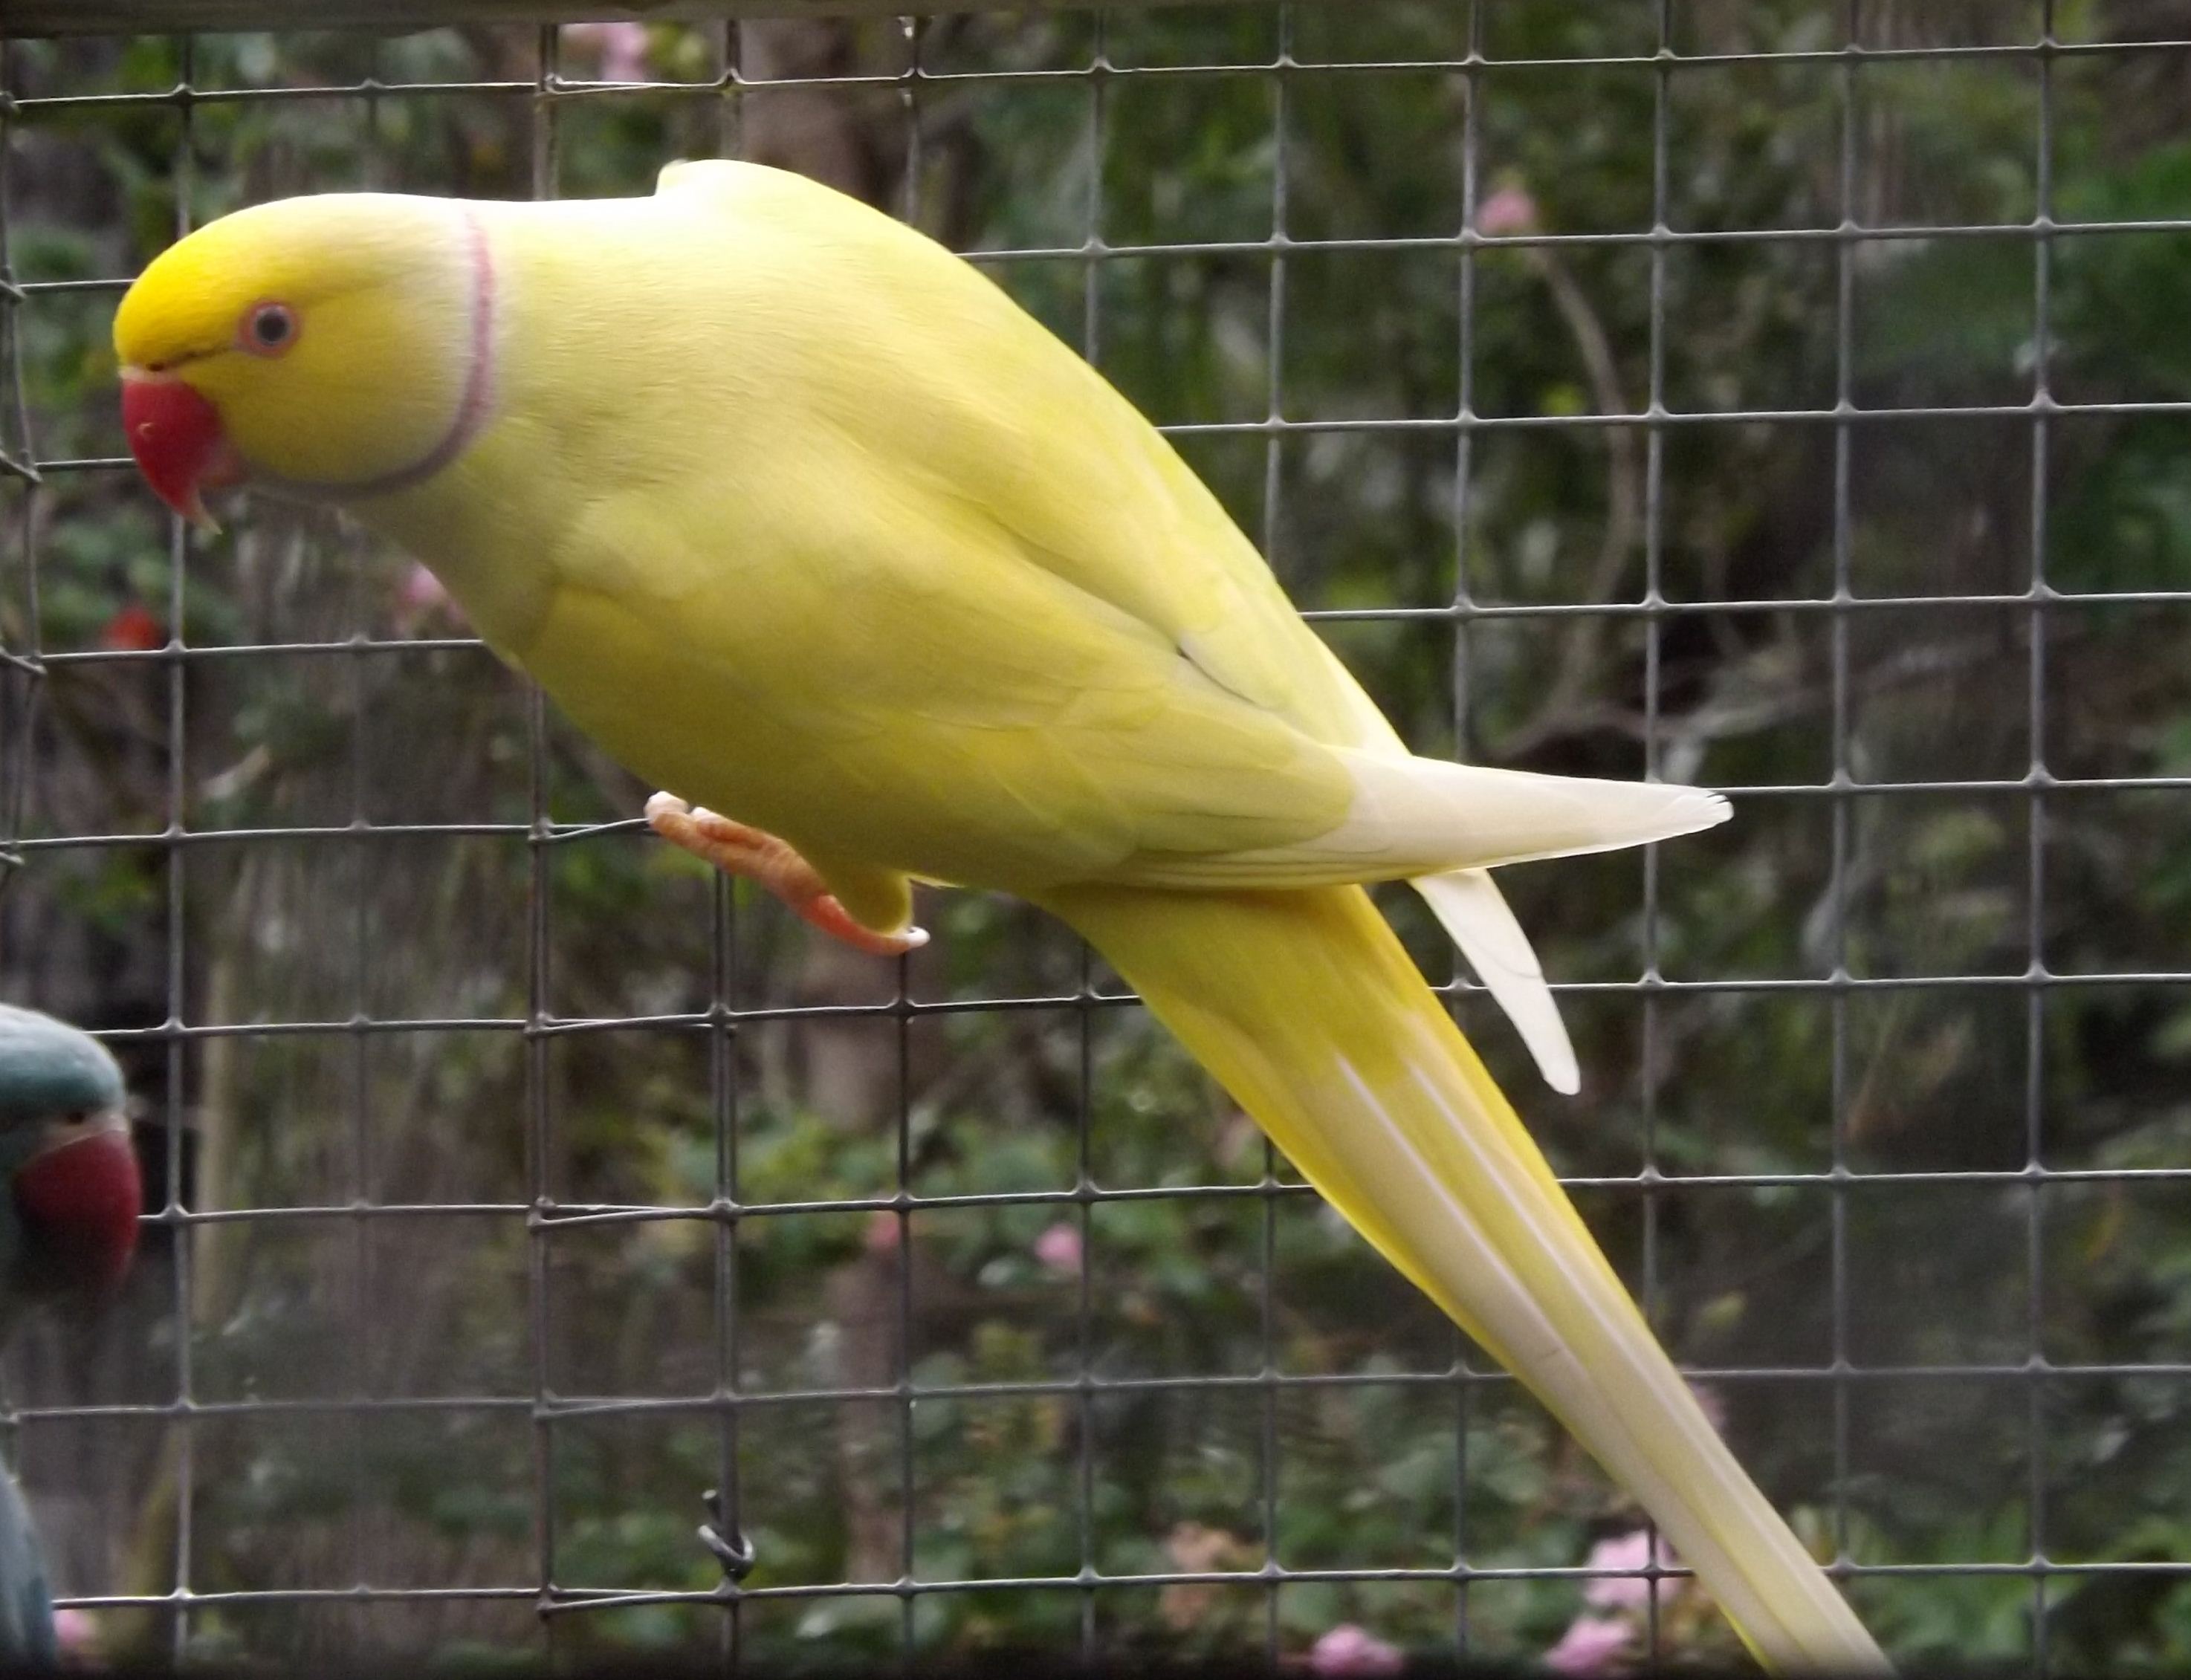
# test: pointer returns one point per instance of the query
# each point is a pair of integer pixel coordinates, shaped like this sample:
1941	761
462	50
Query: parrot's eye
269	329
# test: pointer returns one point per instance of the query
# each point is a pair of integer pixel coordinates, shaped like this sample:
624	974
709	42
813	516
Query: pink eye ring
268	329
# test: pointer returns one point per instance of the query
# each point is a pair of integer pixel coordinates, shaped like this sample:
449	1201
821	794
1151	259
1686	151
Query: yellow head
336	346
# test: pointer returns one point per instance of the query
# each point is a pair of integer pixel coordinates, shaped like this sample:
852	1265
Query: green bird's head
68	1221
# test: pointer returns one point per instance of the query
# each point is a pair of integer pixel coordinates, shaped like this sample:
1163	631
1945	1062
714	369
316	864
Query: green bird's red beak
176	436
79	1200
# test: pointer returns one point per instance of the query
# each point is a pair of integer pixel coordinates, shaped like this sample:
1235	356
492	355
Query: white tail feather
1469	904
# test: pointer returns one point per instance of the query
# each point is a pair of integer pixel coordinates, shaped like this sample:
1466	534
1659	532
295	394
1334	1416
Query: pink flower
1509	210
621	48
1059	1249
1591	1645
77	1635
1631	1551
421	596
1709	1402
1347	1649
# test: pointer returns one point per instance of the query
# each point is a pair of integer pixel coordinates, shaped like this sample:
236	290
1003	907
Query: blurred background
1887	1084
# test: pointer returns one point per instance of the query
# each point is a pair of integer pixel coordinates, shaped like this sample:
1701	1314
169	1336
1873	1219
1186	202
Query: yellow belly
907	799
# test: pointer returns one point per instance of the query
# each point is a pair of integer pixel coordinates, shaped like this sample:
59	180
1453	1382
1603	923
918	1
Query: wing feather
1015	441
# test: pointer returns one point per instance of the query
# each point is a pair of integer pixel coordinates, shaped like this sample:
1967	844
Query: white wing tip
1693	808
1561	1073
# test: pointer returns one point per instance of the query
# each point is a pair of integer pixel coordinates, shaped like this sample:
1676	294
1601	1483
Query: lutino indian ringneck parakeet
799	515
68	1226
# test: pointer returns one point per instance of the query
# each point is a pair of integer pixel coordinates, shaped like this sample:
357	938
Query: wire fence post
542	132
177	1213
21	675
1464	609
2042	260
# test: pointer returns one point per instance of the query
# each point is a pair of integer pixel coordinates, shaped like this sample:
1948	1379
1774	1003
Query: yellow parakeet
800	516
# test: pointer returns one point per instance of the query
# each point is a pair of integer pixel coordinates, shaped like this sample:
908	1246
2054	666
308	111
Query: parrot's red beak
80	1198
176	435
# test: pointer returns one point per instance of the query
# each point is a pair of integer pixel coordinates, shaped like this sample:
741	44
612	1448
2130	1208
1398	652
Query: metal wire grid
550	94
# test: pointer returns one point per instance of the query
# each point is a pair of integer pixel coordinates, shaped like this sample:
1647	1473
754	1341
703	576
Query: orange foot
759	856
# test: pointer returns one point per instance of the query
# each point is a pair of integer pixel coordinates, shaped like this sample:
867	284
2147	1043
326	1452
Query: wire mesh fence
1788	397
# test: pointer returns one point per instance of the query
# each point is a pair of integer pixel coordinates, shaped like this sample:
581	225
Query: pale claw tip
661	805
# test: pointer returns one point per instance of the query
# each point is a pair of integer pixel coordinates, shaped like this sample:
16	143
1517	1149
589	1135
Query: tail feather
1473	910
1307	1008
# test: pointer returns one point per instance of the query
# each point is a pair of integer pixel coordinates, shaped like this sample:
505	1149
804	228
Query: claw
759	856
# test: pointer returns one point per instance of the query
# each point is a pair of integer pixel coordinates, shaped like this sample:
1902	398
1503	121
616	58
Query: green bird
68	1227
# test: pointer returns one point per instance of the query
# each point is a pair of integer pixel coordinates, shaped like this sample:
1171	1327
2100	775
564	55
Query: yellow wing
887	675
1159	547
1000	411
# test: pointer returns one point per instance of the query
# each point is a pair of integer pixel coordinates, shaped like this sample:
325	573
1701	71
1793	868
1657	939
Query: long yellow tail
1306	1006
